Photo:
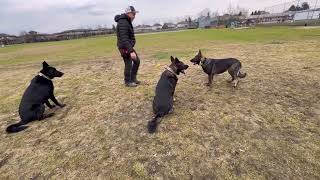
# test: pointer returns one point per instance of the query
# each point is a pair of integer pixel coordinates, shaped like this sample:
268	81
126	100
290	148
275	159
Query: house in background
169	26
6	39
143	28
156	27
183	24
307	14
272	18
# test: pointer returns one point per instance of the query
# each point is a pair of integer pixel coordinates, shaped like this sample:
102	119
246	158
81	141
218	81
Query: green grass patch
105	46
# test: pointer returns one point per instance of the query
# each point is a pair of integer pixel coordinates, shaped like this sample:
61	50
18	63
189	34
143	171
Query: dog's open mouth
194	62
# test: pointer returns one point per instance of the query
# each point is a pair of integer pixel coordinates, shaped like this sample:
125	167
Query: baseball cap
131	9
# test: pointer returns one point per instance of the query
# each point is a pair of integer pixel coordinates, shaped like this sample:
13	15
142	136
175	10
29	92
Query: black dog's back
35	95
164	93
219	65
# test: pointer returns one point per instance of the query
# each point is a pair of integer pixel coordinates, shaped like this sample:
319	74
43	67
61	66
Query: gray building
307	14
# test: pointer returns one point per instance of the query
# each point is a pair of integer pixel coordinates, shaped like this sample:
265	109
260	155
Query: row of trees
304	6
231	10
258	12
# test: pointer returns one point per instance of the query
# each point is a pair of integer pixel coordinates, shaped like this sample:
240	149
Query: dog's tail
240	75
14	128
153	124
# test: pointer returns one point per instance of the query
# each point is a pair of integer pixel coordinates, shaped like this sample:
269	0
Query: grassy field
267	128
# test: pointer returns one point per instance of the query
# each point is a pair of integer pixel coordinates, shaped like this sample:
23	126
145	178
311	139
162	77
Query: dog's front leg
210	78
56	102
49	105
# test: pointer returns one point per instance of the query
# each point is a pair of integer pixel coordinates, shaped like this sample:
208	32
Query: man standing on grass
125	43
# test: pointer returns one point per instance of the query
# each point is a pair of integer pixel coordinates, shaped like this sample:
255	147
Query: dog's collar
44	76
203	59
204	62
170	70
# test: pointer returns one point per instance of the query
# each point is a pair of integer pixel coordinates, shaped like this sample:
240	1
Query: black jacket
125	33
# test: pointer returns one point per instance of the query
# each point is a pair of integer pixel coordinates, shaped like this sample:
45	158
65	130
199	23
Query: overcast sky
48	16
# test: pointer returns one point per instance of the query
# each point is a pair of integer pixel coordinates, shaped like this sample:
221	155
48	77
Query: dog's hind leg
235	82
234	71
40	113
153	124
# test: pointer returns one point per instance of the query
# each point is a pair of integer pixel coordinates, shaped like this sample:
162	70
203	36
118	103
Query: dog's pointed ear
200	53
172	59
45	64
176	60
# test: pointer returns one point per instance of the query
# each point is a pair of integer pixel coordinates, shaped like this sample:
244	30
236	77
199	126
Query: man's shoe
137	82
131	84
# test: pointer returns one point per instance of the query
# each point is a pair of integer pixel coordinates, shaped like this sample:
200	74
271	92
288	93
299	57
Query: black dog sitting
39	92
218	66
163	100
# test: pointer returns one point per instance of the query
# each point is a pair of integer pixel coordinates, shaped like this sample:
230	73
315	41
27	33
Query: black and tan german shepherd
36	95
219	66
163	100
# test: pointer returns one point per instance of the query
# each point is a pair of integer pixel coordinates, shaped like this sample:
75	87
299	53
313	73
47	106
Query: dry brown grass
267	128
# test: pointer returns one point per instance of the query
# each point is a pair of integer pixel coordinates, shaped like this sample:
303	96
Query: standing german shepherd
219	66
163	101
36	95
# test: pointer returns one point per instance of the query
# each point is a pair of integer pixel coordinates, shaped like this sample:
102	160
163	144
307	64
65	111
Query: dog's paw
235	84
62	105
208	84
152	127
50	115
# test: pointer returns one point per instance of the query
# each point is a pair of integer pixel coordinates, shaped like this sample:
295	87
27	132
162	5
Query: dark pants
131	67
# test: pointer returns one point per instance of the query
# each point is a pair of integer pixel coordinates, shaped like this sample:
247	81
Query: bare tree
305	6
235	10
204	12
231	9
240	10
23	33
99	27
189	20
215	14
23	36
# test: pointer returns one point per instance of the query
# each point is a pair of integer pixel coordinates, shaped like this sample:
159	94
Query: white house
142	28
156	27
182	24
307	14
169	26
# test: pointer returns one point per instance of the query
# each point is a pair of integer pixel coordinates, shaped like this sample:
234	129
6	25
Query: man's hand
133	56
